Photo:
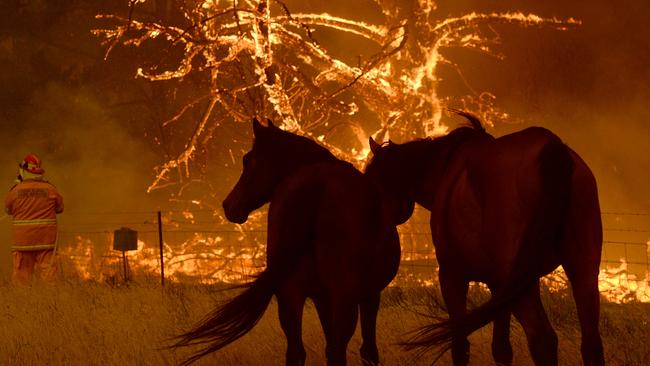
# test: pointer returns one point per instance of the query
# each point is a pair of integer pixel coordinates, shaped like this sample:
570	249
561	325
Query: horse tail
230	321
238	316
546	226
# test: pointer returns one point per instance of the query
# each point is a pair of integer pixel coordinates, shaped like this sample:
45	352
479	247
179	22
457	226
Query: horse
504	211
326	240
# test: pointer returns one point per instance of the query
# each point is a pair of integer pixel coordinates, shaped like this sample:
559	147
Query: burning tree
259	58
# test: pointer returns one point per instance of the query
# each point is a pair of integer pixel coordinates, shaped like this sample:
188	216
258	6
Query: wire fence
200	247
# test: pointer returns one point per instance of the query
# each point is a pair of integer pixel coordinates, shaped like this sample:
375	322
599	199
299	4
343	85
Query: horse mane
472	119
449	141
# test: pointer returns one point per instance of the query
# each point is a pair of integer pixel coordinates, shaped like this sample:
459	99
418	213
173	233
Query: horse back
488	200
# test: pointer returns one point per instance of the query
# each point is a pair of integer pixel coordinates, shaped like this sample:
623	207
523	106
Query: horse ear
390	142
258	129
270	123
374	146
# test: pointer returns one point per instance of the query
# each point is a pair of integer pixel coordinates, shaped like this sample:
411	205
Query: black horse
504	212
327	240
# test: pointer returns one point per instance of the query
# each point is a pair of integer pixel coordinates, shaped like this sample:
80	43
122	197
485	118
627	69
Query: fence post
124	263
162	259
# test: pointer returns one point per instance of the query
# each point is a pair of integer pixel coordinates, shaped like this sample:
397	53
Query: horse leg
341	323
542	340
323	311
454	293
587	298
501	347
291	301
581	249
369	308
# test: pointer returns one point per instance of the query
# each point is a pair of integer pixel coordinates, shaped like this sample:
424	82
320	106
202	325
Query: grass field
76	323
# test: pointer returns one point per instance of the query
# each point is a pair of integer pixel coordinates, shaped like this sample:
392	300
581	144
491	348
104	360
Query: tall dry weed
81	323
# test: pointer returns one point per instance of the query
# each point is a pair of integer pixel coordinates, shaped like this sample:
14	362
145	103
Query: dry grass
91	324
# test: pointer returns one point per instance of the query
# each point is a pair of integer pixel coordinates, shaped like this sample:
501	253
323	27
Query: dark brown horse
504	212
327	240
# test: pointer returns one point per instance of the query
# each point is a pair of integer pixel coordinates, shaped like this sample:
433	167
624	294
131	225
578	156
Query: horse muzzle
233	214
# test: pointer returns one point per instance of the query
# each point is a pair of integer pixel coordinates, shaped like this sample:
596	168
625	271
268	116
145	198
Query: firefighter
34	204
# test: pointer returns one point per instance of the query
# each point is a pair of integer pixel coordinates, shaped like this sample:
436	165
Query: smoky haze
90	120
588	84
56	102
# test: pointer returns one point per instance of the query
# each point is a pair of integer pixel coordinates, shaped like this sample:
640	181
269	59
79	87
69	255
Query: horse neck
315	156
436	159
426	190
296	151
416	174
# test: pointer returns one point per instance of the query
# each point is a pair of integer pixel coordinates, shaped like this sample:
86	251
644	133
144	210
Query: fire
615	283
198	258
237	255
619	286
263	59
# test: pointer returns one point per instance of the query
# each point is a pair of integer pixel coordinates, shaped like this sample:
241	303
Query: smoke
93	160
588	84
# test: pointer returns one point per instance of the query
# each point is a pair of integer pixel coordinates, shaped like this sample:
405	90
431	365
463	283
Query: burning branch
183	159
263	60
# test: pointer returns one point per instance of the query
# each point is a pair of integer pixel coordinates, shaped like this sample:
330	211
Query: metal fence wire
202	250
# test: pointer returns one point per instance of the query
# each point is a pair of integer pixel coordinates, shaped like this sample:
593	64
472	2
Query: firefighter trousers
26	264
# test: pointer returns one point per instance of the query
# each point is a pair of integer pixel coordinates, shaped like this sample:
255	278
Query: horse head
259	177
388	171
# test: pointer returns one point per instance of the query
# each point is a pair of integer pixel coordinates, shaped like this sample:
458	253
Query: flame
615	284
209	259
619	286
300	83
199	258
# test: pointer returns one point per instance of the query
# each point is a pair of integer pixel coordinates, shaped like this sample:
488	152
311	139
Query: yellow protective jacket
34	205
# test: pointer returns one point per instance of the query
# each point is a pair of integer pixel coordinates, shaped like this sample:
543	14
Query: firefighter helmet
32	164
